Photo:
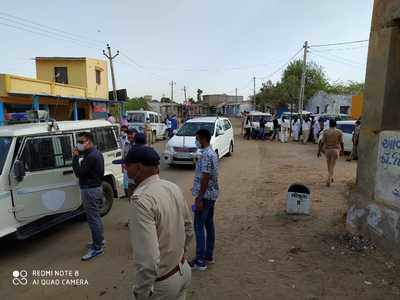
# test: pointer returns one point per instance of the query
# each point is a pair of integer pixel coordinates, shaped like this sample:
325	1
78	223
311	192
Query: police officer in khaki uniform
147	132
160	229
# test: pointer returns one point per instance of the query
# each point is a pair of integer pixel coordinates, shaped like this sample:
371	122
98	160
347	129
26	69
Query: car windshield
191	128
258	118
5	143
135	117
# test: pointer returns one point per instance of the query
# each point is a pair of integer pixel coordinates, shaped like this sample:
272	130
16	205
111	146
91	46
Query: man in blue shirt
205	190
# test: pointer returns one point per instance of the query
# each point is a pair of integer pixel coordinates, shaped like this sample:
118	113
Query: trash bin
298	199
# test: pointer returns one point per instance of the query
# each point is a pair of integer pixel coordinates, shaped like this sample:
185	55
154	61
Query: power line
283	66
343	49
10	17
336	60
340	58
339	44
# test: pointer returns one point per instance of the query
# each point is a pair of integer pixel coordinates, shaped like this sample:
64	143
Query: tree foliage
137	104
287	90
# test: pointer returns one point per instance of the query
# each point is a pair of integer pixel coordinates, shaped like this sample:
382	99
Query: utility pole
236	95
172	83
254	92
184	91
111	58
303	81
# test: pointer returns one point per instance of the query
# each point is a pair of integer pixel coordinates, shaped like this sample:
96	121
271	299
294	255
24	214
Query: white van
181	148
255	117
347	127
38	187
137	118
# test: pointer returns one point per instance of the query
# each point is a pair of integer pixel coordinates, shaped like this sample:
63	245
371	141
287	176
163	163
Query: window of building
344	110
45	153
104	139
61	75
98	77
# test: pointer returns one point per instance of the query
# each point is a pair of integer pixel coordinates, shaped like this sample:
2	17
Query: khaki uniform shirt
160	229
332	138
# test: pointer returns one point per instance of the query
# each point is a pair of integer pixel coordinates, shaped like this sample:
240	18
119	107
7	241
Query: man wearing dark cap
160	228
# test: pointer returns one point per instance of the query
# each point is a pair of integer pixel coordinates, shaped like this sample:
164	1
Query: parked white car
137	118
347	127
38	187
181	148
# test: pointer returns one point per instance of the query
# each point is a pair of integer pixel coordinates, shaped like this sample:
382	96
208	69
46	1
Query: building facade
68	88
323	103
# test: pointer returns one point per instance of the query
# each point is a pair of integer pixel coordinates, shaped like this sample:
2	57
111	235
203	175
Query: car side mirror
19	170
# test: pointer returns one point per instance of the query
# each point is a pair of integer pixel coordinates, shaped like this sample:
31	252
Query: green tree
137	104
349	88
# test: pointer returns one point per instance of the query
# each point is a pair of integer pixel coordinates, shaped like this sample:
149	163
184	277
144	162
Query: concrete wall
94	90
375	205
80	73
214	100
328	103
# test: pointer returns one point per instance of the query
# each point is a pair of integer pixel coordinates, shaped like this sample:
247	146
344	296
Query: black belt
170	273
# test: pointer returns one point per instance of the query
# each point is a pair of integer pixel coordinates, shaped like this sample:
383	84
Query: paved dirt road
261	252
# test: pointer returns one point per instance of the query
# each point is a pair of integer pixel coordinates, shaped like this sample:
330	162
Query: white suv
38	187
137	118
181	148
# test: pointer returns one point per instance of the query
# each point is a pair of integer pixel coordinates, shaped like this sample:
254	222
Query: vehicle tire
216	151
230	153
107	200
165	136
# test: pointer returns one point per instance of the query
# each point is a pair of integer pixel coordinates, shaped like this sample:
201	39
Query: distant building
69	88
216	99
232	109
323	103
155	105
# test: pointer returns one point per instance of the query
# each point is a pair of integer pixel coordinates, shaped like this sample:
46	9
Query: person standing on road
160	229
296	129
285	128
110	118
174	124
332	142
316	130
263	121
275	134
90	173
247	128
148	132
168	124
128	144
355	140
306	130
205	190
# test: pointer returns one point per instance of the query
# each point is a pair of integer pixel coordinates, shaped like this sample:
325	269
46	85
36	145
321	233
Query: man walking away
332	142
355	139
263	121
275	134
90	173
285	128
205	190
160	229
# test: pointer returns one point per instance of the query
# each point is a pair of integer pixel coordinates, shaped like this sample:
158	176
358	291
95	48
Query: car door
219	138
228	132
49	186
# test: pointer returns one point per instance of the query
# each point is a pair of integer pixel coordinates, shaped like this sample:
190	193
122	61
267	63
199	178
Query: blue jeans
204	223
91	200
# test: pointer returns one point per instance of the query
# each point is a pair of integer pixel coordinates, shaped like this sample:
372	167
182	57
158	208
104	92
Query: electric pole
172	83
184	91
254	93
111	58
236	95
303	81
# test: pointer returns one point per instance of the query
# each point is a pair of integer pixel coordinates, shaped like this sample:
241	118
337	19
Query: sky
212	45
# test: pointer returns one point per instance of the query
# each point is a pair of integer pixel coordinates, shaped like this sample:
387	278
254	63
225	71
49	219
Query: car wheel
230	153
216	151
107	200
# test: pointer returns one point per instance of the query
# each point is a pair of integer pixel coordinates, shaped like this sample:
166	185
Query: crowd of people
307	129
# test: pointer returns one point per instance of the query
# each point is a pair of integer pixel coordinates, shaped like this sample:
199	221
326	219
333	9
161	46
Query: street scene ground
261	252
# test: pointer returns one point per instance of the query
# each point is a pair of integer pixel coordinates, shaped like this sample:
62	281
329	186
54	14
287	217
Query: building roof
42	128
60	58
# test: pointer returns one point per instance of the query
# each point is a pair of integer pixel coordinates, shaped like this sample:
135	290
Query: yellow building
357	106
68	87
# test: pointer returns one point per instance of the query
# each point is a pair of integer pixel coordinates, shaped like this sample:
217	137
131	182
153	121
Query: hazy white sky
214	45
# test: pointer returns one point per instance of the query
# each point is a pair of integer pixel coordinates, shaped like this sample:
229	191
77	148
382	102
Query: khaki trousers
174	287
306	135
332	156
